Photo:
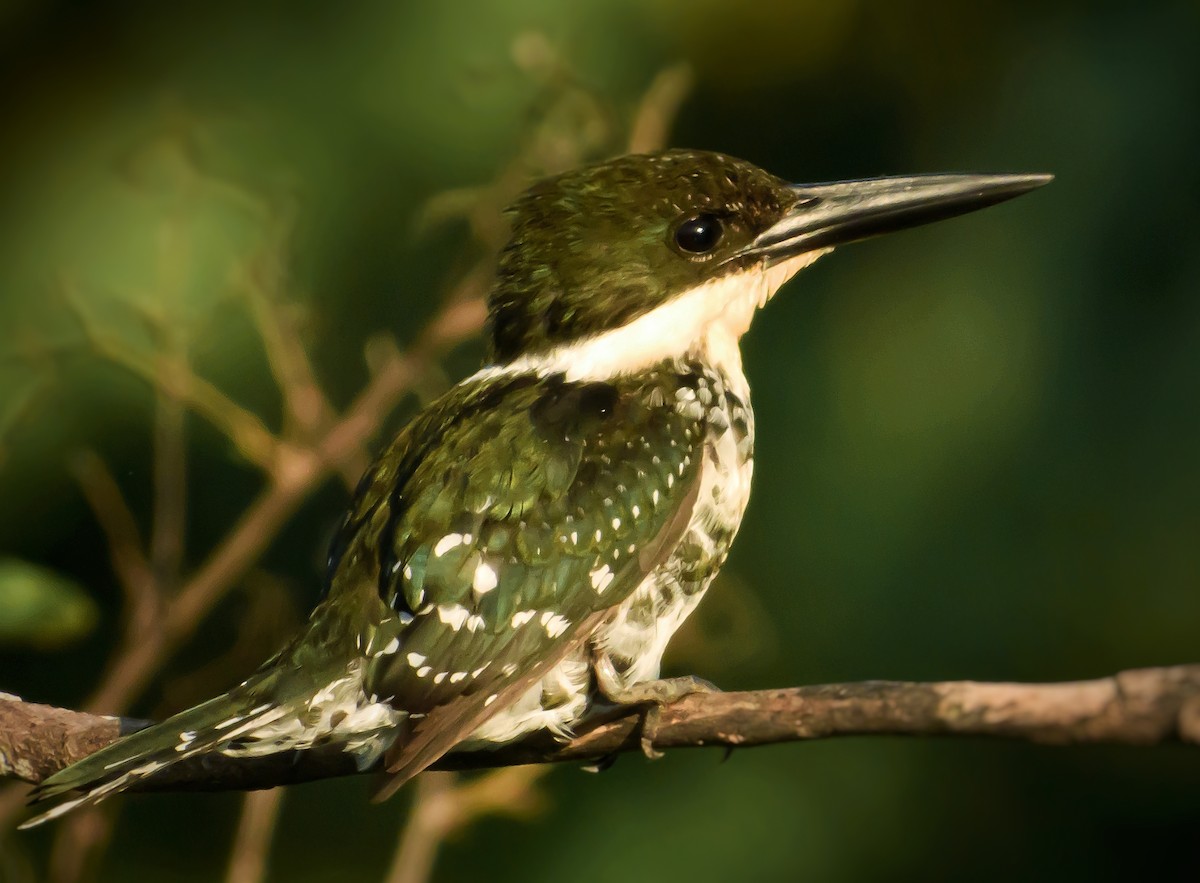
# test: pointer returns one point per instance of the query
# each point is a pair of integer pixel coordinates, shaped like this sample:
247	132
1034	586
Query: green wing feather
502	526
486	543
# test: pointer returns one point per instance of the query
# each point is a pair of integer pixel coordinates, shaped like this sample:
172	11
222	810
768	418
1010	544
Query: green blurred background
979	442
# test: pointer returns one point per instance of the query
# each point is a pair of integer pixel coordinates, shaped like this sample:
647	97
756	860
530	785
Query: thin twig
79	844
169	523
229	562
306	407
169	519
267	616
658	108
242	427
112	513
422	832
252	842
444	805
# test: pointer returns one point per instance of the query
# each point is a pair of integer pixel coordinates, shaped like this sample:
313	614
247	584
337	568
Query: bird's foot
650	696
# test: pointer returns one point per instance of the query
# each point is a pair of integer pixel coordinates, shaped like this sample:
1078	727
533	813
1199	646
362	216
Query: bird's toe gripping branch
651	696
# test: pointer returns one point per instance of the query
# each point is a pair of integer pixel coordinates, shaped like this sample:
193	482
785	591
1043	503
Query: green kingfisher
520	554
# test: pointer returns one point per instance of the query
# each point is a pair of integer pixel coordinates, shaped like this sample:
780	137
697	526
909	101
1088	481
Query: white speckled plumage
703	325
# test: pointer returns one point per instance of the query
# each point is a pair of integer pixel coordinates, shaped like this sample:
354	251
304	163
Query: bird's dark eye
699	235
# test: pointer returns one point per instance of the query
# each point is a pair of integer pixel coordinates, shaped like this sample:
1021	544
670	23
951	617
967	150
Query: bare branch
125	547
243	428
658	108
305	403
253	532
1148	706
252	842
443	806
169	524
35	739
423	830
78	844
263	279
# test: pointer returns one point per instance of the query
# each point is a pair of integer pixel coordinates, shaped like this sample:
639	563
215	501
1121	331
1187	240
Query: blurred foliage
977	442
38	608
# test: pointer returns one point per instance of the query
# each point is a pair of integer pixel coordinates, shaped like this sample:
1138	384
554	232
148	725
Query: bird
521	553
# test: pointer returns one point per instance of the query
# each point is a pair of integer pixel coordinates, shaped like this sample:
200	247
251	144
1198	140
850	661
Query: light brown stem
1149	706
445	804
252	842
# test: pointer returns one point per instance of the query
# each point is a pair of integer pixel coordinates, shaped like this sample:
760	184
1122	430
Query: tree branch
1149	706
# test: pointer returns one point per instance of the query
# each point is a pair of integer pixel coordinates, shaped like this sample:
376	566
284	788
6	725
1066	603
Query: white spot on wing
453	615
485	579
601	577
416	660
554	624
446	543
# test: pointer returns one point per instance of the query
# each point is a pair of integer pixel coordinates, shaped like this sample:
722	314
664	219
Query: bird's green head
596	248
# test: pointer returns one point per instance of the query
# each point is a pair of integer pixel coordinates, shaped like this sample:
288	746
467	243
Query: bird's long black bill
826	215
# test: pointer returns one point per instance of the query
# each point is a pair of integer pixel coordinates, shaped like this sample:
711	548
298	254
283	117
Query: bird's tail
208	726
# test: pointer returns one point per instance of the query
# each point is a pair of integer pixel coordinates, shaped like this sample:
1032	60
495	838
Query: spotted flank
524	512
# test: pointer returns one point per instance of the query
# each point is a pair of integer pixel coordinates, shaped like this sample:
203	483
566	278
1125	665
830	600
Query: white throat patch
709	319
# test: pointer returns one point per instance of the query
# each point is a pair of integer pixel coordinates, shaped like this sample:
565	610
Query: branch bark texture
1148	706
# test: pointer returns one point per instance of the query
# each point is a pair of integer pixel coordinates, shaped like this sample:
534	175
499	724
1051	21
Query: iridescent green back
502	519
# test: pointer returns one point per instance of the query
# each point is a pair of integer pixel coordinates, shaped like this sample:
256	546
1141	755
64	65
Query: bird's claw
652	696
